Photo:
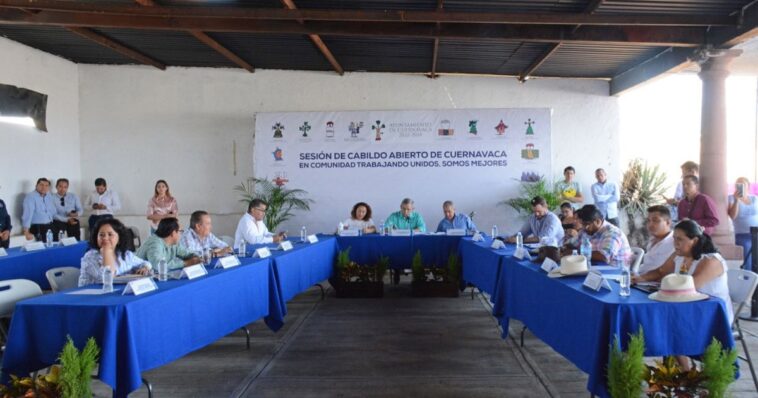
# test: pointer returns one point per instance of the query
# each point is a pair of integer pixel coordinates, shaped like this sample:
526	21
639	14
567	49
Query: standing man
660	245
199	236
103	202
541	224
606	195
68	209
406	218
570	190
697	206
453	220
251	227
689	168
39	210
5	226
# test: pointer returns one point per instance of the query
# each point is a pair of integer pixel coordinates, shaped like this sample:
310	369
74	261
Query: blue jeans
745	240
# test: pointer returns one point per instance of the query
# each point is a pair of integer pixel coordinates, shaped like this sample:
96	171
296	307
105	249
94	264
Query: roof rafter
116	46
316	39
436	46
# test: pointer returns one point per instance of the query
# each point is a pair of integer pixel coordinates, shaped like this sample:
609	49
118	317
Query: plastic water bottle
586	250
625	281
303	234
49	238
519	240
107	279
207	255
340	227
494	231
61	236
241	251
162	270
381	227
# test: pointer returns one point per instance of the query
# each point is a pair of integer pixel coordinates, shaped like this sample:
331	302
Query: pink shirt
161	206
702	210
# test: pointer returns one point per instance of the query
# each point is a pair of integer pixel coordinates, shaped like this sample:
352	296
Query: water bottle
625	281
303	234
207	254
381	227
574	253
49	238
61	236
162	270
107	279
340	227
586	250
242	248
519	240
494	231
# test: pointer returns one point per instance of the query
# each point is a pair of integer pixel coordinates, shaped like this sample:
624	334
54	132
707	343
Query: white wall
27	153
139	124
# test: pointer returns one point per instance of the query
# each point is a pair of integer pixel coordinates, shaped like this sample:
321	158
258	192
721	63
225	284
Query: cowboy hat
677	288
570	265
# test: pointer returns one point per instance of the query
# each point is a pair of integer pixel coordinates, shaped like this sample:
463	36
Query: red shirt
701	209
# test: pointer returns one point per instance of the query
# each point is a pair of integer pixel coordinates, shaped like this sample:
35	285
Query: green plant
718	368
666	379
76	368
343	259
381	267
453	267
417	268
281	201
626	370
528	190
642	186
44	386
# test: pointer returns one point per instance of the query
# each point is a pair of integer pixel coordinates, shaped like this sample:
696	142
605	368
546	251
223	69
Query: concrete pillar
713	180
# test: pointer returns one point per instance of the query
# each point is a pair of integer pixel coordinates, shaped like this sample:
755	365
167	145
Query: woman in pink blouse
161	205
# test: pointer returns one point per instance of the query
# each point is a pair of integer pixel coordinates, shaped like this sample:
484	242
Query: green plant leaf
282	202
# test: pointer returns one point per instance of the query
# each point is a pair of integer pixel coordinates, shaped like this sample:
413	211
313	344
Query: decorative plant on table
281	201
641	187
72	378
530	189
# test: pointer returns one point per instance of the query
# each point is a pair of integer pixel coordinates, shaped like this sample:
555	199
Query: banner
474	157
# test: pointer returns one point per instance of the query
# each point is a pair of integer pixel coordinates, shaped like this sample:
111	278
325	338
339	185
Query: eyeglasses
260	210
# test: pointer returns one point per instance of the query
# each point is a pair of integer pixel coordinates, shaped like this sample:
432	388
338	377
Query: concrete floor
392	347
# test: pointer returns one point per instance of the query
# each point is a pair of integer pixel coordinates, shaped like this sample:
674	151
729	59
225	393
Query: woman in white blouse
360	218
108	244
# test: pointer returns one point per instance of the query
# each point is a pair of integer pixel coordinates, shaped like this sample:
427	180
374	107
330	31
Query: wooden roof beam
116	46
316	39
452	17
436	46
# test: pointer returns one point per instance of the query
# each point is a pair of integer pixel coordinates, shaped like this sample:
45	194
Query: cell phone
741	189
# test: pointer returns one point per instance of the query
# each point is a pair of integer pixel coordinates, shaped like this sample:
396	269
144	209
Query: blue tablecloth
580	324
19	264
481	265
138	333
367	249
304	266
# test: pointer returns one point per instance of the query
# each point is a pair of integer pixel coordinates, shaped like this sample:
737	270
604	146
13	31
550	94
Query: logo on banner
330	129
529	176
500	128
529	152
305	128
355	129
278	154
445	128
281	179
278	127
472	127
529	122
378	129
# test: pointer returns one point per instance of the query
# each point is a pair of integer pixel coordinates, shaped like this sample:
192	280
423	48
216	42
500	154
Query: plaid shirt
609	240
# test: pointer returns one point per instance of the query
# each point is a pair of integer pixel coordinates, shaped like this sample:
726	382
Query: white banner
474	157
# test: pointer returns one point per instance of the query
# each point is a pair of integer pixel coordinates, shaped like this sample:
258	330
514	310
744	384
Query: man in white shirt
251	227
103	202
661	244
606	195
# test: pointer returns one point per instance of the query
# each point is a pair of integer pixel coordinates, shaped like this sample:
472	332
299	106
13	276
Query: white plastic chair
11	292
637	255
136	237
742	284
228	240
63	278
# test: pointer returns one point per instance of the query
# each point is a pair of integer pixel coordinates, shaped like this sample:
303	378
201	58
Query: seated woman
108	244
360	218
695	254
164	245
743	210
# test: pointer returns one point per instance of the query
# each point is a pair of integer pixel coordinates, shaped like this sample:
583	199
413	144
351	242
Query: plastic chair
637	255
11	292
228	240
63	278
135	237
742	284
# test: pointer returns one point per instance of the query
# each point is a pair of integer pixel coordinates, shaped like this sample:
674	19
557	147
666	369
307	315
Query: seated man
661	243
406	218
164	245
609	244
541	224
39	210
68	209
251	227
5	226
199	236
454	220
104	202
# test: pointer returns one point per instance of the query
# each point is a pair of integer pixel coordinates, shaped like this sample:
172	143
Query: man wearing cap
609	244
660	245
39	210
541	224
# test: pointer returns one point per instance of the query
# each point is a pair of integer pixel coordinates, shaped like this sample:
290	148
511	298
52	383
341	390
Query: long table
580	324
19	264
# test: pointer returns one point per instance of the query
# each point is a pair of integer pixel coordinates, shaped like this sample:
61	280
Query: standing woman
743	210
161	205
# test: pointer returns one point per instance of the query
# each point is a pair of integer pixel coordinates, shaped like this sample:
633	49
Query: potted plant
435	281
353	280
626	370
281	201
529	189
641	187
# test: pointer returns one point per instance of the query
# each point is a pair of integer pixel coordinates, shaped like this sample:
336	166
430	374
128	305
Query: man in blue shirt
606	195
406	218
454	220
541	224
39	210
5	226
68	209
